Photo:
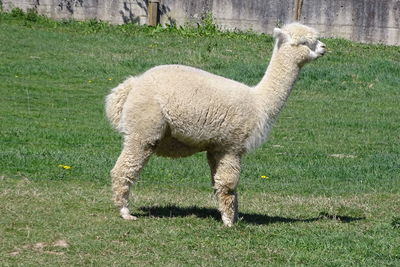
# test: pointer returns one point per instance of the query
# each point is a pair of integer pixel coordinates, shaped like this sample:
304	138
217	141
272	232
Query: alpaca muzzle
321	48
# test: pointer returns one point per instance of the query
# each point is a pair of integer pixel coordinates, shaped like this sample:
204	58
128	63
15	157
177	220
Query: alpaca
176	111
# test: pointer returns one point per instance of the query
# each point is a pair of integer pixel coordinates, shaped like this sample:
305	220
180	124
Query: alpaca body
176	111
203	117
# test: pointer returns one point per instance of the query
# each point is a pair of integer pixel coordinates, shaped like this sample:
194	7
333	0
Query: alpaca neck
274	88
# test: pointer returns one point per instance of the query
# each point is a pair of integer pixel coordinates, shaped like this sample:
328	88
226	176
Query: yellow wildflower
264	177
65	167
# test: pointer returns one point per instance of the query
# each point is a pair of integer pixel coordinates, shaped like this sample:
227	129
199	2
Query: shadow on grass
250	218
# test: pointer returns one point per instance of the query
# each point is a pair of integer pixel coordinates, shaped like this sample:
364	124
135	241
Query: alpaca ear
281	35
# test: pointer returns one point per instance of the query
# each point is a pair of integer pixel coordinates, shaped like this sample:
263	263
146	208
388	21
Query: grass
333	193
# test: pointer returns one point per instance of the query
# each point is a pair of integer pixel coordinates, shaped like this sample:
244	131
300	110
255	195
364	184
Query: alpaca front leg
227	205
125	172
226	178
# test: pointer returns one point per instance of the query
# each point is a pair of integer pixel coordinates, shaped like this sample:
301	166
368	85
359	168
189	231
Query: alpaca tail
115	102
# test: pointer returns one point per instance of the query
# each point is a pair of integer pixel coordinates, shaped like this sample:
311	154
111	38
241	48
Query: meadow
323	190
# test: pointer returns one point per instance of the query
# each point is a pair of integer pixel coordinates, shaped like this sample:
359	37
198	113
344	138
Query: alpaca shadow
249	218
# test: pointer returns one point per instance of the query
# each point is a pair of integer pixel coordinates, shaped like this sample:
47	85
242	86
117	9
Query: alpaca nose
321	44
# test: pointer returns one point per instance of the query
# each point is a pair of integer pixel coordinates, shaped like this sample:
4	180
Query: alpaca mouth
321	52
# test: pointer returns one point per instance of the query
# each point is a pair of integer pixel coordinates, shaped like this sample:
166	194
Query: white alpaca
176	111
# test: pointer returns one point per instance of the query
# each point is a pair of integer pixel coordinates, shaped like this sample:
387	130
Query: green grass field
333	157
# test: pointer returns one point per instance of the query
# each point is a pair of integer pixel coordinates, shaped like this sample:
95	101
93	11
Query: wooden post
152	12
298	4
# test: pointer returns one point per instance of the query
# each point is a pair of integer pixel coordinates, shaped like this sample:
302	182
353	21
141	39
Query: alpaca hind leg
226	178
141	137
125	172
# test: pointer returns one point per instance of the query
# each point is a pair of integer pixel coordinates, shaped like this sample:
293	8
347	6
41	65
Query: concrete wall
372	21
114	11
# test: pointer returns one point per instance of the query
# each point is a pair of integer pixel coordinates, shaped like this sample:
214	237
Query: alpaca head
299	42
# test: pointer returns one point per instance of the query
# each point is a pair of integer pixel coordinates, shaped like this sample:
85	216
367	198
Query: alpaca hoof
227	221
126	215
